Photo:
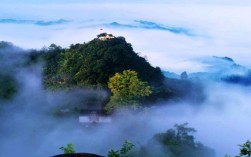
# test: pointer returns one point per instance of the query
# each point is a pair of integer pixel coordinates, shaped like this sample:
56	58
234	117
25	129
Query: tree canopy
245	149
176	142
8	86
127	90
93	63
53	58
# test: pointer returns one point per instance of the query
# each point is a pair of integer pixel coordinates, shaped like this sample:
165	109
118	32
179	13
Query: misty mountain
8	47
11	58
36	107
217	69
171	75
223	69
93	63
33	22
149	25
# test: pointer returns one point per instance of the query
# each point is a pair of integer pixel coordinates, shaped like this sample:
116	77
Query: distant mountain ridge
218	69
150	26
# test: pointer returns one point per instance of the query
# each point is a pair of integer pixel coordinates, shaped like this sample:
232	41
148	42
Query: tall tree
183	75
52	57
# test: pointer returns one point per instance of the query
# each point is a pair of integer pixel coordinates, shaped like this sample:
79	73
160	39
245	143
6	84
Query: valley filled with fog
29	126
150	73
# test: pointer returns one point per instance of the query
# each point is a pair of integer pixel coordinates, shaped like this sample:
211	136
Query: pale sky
169	33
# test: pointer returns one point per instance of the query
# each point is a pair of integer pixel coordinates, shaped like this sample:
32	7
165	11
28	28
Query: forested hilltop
106	62
93	63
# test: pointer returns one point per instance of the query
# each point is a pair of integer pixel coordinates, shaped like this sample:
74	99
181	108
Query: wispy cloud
141	24
160	31
153	25
34	22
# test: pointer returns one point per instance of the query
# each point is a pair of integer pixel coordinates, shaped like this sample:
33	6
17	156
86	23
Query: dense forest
92	65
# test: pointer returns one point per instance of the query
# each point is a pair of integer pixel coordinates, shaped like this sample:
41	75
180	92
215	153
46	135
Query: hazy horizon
180	30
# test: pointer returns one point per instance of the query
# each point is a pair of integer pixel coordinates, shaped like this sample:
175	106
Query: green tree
52	57
68	149
8	86
245	149
125	151
127	89
176	142
182	134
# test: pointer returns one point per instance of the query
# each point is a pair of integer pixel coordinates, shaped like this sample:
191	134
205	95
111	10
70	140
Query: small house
94	117
105	36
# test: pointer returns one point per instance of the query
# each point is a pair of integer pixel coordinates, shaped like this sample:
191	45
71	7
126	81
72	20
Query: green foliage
125	151
10	59
127	84
52	57
182	134
8	87
177	142
68	149
93	63
245	149
127	90
33	57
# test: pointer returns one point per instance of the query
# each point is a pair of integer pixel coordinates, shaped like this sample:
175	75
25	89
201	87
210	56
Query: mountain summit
94	62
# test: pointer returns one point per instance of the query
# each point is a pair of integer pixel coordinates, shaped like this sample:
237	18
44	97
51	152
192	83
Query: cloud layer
169	34
149	25
39	22
28	123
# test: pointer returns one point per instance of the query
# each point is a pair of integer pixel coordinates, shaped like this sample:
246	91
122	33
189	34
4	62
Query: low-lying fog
27	129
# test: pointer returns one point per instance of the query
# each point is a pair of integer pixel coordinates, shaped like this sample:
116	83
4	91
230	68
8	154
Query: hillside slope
92	63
